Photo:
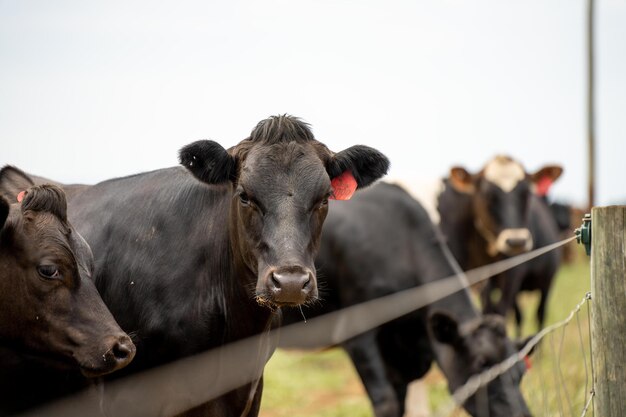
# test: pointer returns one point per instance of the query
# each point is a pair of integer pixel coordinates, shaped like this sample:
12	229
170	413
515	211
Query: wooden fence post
608	317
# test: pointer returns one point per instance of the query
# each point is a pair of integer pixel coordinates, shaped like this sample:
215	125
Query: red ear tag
21	196
344	186
527	362
543	186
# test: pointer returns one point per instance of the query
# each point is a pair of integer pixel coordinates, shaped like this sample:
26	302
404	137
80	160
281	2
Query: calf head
281	179
471	348
49	307
501	193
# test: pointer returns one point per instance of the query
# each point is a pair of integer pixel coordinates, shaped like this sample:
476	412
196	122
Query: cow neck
268	342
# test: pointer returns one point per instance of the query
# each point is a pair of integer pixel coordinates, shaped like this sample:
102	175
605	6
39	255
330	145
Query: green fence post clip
583	233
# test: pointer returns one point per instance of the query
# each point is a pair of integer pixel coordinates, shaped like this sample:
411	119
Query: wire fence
189	382
480	380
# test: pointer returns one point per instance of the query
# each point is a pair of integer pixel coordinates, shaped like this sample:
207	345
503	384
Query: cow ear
445	328
364	163
545	177
4	211
13	181
208	161
461	180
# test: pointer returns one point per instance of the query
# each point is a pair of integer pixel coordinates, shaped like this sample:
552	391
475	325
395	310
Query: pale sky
91	90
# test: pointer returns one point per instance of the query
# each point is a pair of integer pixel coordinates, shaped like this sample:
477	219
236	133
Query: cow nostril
123	349
275	281
307	283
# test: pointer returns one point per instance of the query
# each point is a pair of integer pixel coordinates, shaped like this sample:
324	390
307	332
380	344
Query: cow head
473	347
49	307
281	183
501	193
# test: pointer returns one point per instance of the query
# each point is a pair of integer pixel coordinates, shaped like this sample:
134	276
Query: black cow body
382	242
475	213
188	265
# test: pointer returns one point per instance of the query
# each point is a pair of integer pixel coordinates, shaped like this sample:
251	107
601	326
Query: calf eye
49	271
323	203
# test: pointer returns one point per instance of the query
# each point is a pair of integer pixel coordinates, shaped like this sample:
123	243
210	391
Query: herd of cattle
187	259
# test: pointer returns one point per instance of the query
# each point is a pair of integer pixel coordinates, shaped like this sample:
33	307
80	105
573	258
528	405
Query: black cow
189	265
381	242
495	214
51	316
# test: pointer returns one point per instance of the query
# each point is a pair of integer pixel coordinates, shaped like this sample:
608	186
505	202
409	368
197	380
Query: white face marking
504	172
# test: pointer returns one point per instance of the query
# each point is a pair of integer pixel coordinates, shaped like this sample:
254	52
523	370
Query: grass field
325	384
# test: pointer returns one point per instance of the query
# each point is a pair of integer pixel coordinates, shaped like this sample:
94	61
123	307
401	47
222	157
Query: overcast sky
91	90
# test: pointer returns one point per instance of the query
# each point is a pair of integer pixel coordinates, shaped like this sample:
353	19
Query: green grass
325	384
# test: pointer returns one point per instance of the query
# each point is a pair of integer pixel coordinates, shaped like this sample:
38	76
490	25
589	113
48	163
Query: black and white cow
193	258
495	214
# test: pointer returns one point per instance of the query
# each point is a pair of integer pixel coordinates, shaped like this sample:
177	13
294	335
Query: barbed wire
476	382
191	381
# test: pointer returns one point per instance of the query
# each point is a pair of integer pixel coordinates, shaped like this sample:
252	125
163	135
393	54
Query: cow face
281	183
501	193
474	347
49	307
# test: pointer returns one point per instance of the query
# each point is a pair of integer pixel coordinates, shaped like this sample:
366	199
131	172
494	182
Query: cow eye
49	271
244	199
323	203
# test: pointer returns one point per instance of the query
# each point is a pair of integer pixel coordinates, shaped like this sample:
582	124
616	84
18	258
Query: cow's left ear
208	161
365	164
13	181
445	328
461	180
544	178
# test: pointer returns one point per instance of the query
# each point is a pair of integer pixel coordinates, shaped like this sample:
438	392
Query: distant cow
188	264
382	242
51	316
495	214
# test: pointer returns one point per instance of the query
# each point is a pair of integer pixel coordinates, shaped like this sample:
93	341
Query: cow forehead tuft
504	172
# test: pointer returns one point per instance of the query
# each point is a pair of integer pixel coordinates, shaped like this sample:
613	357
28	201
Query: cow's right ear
445	328
13	181
544	178
461	180
208	161
365	164
4	211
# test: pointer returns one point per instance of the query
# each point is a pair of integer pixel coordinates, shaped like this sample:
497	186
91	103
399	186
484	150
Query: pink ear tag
344	186
21	196
528	362
543	186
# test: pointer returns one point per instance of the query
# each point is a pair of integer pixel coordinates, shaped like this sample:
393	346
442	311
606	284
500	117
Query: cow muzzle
119	351
514	241
290	286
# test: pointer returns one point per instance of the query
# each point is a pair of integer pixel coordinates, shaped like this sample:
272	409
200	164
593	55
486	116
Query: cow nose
291	287
121	352
516	242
